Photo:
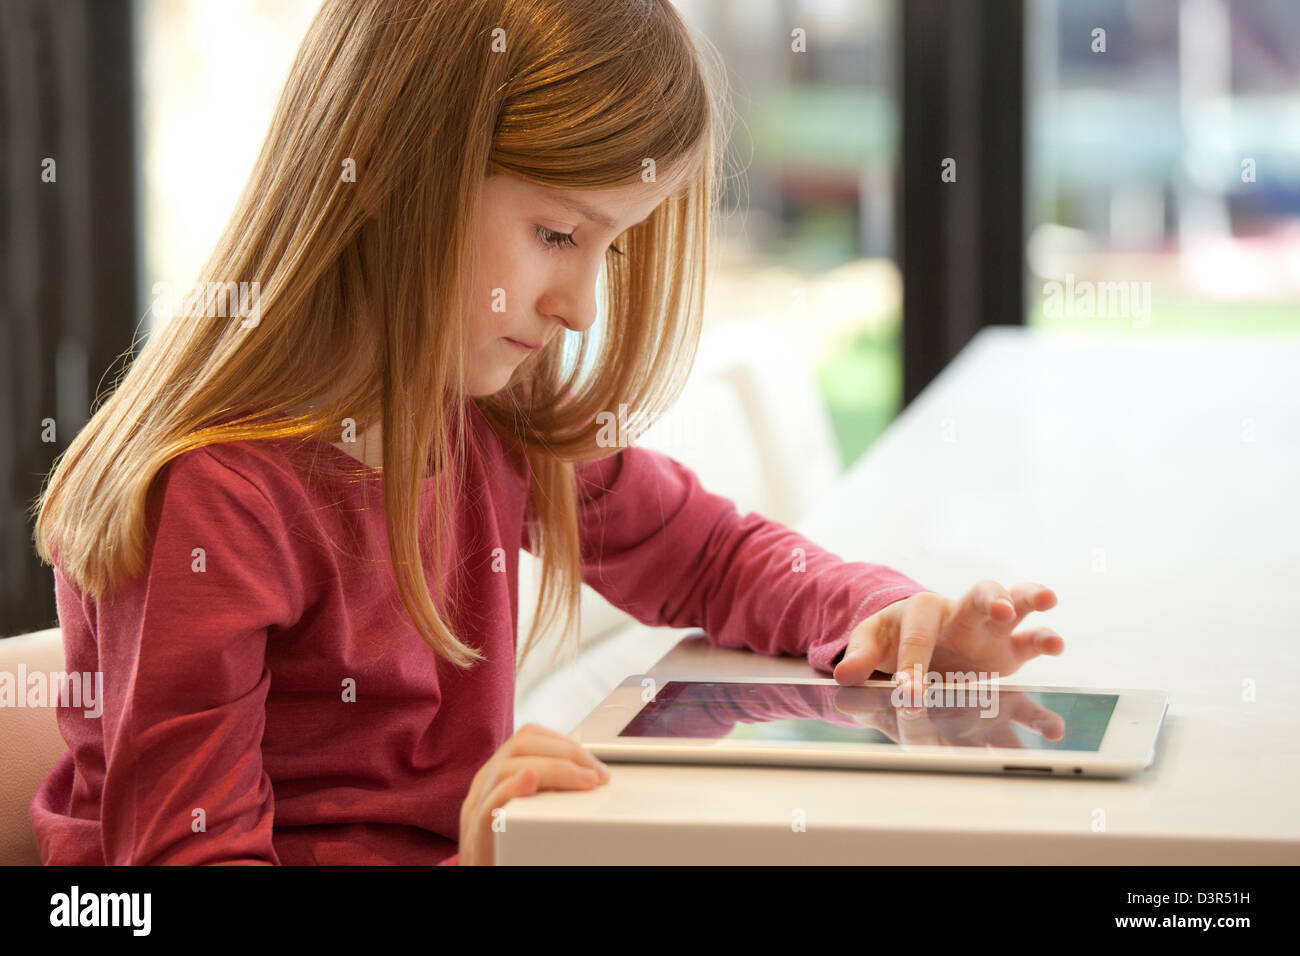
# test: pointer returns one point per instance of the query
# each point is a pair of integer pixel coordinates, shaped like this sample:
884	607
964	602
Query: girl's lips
522	345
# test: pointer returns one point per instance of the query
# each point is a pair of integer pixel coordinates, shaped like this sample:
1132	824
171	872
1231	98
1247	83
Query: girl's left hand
971	634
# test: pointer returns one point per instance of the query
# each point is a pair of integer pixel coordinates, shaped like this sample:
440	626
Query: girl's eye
558	240
554	240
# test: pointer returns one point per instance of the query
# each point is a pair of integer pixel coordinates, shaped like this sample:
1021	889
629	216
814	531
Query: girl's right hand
535	758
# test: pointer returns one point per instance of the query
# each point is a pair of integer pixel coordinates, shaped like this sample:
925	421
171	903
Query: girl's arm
183	656
670	553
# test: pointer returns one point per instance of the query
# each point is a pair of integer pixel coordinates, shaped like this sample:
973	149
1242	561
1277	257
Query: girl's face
538	260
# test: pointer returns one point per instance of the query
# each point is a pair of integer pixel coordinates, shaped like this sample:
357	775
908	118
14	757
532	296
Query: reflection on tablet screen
833	714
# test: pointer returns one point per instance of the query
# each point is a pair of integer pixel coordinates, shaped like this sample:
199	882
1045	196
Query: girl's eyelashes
551	239
554	240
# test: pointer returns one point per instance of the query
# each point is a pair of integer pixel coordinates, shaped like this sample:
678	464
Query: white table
1152	481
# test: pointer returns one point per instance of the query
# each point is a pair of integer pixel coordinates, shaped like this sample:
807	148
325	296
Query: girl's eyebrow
583	209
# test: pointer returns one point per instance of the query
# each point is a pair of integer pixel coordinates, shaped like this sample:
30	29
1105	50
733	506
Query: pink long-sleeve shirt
266	699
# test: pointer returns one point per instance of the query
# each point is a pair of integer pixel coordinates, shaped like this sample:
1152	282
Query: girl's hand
535	758
972	634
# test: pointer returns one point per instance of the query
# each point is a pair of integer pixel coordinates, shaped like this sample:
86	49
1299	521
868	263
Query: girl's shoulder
274	472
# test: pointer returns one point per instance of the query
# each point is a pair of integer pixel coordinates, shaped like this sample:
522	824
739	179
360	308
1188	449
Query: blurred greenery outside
862	385
839	132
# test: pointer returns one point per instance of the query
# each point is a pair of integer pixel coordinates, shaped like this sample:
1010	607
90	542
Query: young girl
289	539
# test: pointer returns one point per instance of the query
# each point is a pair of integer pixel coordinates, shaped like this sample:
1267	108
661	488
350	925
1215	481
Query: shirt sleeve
661	547
183	656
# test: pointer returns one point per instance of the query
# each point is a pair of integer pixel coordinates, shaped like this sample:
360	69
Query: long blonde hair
425	98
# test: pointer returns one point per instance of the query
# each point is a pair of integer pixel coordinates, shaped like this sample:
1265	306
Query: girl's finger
1028	713
986	601
556	773
916	727
918	631
875	713
1028	597
534	741
864	652
1036	640
540	730
521	784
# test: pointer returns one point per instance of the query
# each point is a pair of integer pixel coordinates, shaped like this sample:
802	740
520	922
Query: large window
1164	164
209	73
810	243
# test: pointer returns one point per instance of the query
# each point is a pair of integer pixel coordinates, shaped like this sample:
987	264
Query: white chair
32	744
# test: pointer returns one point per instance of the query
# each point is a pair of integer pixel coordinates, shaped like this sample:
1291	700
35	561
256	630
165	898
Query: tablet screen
953	716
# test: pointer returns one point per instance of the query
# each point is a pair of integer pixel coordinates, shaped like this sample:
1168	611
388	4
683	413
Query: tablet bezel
1128	745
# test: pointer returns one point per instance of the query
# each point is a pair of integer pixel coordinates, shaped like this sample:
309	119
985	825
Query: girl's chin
481	385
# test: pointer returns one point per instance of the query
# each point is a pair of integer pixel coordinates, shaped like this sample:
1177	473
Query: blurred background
1153	142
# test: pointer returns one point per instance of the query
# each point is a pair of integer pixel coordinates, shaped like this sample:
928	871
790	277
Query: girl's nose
577	312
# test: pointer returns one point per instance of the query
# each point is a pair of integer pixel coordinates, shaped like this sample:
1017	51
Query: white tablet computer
976	728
